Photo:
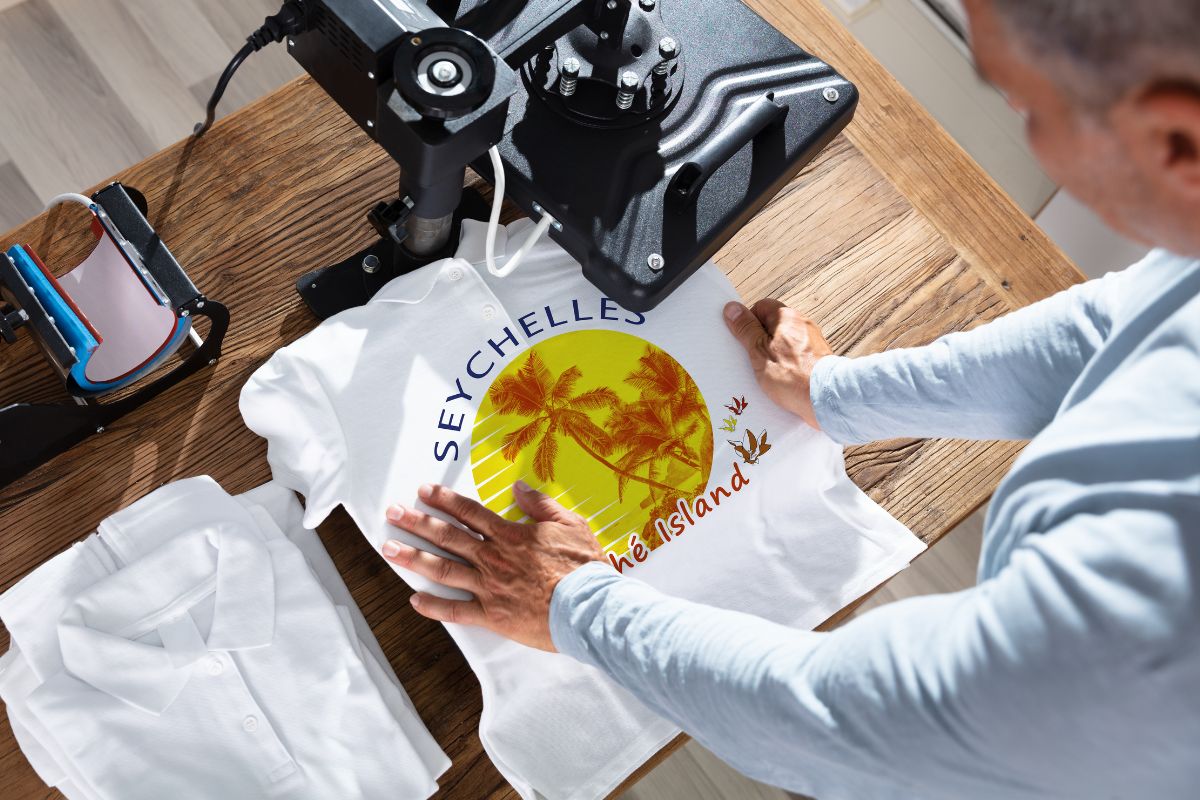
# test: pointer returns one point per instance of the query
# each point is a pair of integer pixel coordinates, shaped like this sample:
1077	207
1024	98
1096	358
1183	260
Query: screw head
212	361
570	66
647	5
370	123
611	5
831	94
370	264
371	75
668	47
629	79
604	36
100	429
656	262
444	73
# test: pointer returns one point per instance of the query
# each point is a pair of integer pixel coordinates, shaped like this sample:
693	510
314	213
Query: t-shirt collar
98	630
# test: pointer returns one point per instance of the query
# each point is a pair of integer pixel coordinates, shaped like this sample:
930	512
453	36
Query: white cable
69	197
494	224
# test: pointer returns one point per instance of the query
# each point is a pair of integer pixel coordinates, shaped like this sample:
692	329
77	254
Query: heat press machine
640	134
103	326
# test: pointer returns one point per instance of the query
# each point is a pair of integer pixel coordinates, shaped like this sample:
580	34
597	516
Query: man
1073	668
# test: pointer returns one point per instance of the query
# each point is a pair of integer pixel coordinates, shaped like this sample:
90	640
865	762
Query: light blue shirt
1071	670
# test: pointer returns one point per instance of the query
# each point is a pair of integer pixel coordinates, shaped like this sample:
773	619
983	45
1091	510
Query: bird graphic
753	449
738	405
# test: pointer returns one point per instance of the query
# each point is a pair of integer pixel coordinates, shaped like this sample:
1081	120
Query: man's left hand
511	568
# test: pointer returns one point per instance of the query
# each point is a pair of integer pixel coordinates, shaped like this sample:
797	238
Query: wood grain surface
890	238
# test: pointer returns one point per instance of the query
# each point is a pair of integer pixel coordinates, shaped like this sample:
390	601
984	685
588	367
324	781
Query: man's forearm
1003	380
930	697
744	687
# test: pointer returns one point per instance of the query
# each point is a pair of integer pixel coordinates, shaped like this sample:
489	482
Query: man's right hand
784	346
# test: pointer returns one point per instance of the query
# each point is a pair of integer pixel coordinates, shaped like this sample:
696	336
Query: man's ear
1161	127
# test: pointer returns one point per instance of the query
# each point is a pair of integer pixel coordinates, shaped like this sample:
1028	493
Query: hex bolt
656	262
831	94
568	77
668	48
443	73
627	87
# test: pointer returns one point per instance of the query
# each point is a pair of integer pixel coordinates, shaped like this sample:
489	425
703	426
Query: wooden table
890	238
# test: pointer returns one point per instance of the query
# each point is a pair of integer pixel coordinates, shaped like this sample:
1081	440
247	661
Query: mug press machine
650	131
105	327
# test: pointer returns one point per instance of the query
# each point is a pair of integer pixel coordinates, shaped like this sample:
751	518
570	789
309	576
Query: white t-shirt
271	671
650	425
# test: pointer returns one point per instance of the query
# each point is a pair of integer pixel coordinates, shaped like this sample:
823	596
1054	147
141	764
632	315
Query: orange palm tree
662	378
660	425
647	435
554	410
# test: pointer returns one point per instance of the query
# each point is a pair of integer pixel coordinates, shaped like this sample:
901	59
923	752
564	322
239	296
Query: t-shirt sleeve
286	404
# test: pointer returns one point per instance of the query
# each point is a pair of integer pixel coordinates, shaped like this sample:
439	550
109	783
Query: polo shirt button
250	724
215	667
489	312
454	274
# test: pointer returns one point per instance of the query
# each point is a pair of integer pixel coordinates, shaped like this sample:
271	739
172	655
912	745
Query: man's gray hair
1112	46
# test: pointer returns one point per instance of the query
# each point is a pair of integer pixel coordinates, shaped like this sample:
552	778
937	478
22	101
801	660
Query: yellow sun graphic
610	425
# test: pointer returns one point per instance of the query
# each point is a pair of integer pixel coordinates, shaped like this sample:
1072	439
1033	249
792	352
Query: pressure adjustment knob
444	73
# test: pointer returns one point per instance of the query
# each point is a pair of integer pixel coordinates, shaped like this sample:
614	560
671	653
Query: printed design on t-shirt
609	424
754	447
737	406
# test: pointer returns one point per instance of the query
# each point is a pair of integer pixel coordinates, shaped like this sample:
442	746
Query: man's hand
512	568
784	346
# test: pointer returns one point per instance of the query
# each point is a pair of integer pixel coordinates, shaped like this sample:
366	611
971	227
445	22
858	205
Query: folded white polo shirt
263	674
649	425
144	525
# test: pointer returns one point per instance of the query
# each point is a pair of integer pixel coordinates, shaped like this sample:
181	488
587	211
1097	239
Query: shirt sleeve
1028	685
1002	380
286	404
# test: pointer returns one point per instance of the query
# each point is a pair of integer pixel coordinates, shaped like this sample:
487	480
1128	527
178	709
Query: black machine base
352	282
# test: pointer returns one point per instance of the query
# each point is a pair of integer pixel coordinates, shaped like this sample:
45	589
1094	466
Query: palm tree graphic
555	411
658	428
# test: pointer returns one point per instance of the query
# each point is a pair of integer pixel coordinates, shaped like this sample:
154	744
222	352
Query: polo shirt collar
98	631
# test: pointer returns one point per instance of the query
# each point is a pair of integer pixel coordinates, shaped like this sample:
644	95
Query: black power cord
288	22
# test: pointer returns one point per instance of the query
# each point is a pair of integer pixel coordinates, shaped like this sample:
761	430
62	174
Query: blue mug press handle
691	176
